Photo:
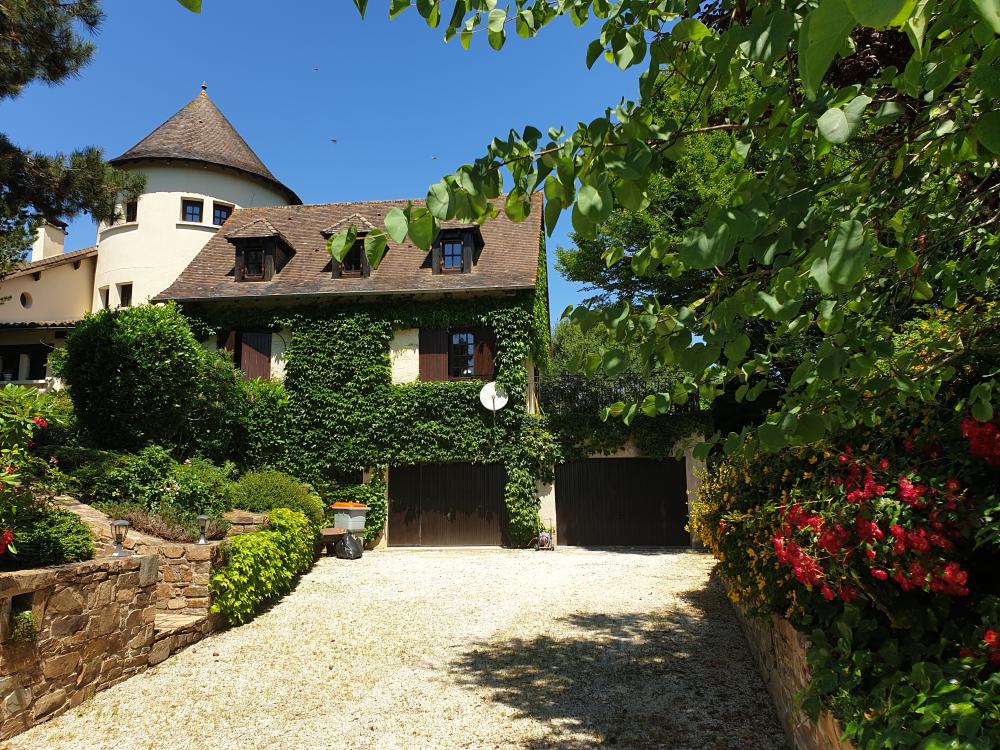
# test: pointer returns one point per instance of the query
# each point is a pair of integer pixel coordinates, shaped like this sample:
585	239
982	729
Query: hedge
261	566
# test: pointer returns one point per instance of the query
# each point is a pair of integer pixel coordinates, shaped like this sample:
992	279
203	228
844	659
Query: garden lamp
203	525
120	530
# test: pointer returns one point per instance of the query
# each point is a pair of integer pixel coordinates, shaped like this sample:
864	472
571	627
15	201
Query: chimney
50	240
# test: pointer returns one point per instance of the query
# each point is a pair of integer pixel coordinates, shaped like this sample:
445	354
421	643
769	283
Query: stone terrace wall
779	651
184	572
96	628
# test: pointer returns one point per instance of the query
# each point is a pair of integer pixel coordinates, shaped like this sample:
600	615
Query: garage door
447	505
622	501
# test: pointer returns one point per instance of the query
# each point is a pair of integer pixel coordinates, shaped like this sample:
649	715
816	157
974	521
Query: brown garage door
447	505
622	502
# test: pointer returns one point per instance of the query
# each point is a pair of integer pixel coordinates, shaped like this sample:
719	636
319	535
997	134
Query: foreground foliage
261	566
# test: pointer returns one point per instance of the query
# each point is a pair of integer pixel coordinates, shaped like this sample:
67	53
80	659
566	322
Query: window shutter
269	263
255	355
467	250
433	354
436	256
238	270
366	267
227	340
485	352
335	268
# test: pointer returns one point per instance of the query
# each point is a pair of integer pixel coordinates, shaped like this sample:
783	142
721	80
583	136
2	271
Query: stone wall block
66	601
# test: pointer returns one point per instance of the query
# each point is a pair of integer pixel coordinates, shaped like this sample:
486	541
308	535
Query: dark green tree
40	40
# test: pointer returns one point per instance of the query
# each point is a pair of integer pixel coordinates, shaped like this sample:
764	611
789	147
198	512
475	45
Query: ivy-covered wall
344	414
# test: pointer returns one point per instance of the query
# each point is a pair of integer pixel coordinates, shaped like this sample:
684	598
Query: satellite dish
493	396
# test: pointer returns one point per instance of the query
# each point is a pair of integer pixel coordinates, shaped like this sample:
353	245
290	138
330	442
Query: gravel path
465	648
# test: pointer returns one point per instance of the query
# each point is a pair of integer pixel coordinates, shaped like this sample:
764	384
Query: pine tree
40	41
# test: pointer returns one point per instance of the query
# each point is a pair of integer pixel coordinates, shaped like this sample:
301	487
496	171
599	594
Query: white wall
404	355
152	251
61	293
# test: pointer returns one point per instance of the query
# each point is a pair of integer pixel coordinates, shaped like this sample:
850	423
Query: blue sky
292	76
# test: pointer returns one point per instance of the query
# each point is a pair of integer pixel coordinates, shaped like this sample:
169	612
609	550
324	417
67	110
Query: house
383	366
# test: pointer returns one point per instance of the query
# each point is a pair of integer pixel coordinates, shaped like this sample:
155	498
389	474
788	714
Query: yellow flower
806	474
813	459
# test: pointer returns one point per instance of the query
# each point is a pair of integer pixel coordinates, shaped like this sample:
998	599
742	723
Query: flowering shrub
883	546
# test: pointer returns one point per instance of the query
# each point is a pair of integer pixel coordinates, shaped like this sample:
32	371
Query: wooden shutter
255	355
433	354
467	252
485	351
227	340
436	260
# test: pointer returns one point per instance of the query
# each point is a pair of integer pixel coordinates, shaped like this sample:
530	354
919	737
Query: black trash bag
347	548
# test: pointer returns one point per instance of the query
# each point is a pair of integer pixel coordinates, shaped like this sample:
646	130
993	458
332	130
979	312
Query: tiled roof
200	132
55	260
507	261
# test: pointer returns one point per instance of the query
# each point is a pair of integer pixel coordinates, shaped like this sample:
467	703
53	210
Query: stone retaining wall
779	650
96	628
184	573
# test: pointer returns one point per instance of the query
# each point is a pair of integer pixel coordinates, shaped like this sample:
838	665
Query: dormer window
452	255
253	264
261	251
456	250
352	264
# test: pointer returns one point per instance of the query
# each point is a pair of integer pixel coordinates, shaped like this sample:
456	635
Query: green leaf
881	13
708	246
990	11
375	243
396	224
361	5
439	199
771	436
769	34
615	362
823	34
843	258
517	205
341	242
590	201
837	125
496	20
594	51
810	427
689	30
988	130
397	6
982	411
195	5
423	228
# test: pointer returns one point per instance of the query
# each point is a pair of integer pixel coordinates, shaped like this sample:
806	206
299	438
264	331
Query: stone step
168	623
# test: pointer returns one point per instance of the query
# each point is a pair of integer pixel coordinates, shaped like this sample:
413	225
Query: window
103	291
352	263
125	295
132	211
253	264
25	300
251	351
462	355
191	210
221	212
452	255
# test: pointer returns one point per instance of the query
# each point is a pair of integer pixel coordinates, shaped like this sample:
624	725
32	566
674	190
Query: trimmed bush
261	566
201	487
139	478
48	536
142	358
260	491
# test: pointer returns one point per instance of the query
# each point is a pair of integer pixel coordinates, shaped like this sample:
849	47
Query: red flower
879	574
883	464
827	593
41	422
6	537
991	638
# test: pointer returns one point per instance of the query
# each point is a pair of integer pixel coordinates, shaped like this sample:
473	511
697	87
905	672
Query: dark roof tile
200	132
508	260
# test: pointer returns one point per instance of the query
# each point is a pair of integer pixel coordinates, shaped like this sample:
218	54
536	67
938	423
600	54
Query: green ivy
343	413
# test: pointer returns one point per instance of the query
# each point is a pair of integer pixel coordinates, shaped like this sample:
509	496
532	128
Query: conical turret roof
199	132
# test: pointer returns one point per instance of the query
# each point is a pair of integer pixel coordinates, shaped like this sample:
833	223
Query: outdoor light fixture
203	525
120	530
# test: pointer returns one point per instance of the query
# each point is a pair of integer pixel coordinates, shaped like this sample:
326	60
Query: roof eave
345	293
293	198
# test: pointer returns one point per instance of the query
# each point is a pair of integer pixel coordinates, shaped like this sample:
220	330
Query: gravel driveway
459	648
